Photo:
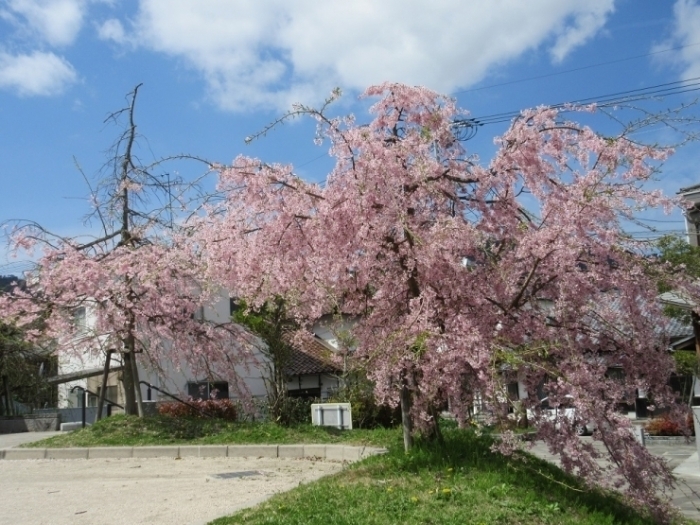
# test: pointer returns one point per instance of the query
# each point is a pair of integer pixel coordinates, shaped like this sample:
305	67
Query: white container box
337	415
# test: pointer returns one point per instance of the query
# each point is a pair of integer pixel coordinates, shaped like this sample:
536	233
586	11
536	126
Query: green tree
684	259
273	326
23	367
682	256
23	371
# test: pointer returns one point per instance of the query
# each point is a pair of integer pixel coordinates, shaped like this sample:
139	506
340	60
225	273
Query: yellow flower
414	499
447	490
390	489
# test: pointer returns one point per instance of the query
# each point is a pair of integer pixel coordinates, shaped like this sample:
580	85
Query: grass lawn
120	430
464	483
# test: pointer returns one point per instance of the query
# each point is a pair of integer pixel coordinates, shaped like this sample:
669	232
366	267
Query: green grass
123	431
464	483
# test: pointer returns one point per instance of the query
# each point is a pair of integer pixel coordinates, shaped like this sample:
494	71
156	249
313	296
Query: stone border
323	452
672	440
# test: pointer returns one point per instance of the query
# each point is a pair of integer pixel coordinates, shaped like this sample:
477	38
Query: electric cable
575	69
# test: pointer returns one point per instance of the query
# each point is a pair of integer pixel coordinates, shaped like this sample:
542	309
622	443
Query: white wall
69	362
170	375
173	377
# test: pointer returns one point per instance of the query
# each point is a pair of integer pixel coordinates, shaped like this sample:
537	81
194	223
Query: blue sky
215	71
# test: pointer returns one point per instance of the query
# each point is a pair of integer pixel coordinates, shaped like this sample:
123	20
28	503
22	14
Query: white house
311	370
692	215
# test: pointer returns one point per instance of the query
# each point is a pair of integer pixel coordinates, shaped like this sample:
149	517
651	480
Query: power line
658	220
465	129
312	160
607	100
573	70
669	88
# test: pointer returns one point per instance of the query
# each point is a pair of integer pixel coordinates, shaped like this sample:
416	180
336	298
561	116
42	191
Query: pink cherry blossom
464	276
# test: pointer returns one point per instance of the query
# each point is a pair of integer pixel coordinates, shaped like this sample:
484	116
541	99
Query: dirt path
188	491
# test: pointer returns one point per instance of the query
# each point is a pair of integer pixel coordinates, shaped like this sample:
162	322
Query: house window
80	319
110	395
91	400
513	391
305	393
207	390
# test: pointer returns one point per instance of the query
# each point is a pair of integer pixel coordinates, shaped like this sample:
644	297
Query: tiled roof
314	356
677	329
689	189
311	357
672	328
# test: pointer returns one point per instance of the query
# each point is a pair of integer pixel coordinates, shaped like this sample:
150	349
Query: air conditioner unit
337	415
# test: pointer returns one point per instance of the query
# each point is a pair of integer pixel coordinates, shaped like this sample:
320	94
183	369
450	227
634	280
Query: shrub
295	411
665	426
198	408
366	412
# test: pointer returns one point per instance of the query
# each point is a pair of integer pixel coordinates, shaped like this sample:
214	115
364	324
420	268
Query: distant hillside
7	280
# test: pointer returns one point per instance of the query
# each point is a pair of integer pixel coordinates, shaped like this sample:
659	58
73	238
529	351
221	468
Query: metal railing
83	402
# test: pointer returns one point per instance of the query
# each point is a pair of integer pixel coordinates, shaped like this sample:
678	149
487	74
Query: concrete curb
323	452
668	440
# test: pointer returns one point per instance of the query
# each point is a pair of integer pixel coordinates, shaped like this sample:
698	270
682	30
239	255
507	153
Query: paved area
15	440
687	493
682	458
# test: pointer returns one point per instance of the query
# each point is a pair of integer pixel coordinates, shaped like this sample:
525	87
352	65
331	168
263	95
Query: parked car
564	410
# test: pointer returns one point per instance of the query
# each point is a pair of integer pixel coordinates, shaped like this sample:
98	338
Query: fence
74	415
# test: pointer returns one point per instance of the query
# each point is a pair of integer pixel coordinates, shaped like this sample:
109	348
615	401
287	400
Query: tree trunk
137	386
128	382
275	391
103	388
406	421
434	432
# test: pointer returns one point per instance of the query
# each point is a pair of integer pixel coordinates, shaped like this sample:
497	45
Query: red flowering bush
665	426
218	408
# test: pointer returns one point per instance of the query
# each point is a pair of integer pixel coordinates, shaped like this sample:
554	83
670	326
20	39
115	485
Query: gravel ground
188	491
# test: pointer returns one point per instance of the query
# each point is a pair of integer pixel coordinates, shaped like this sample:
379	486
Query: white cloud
685	32
56	22
35	74
112	29
273	52
584	25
